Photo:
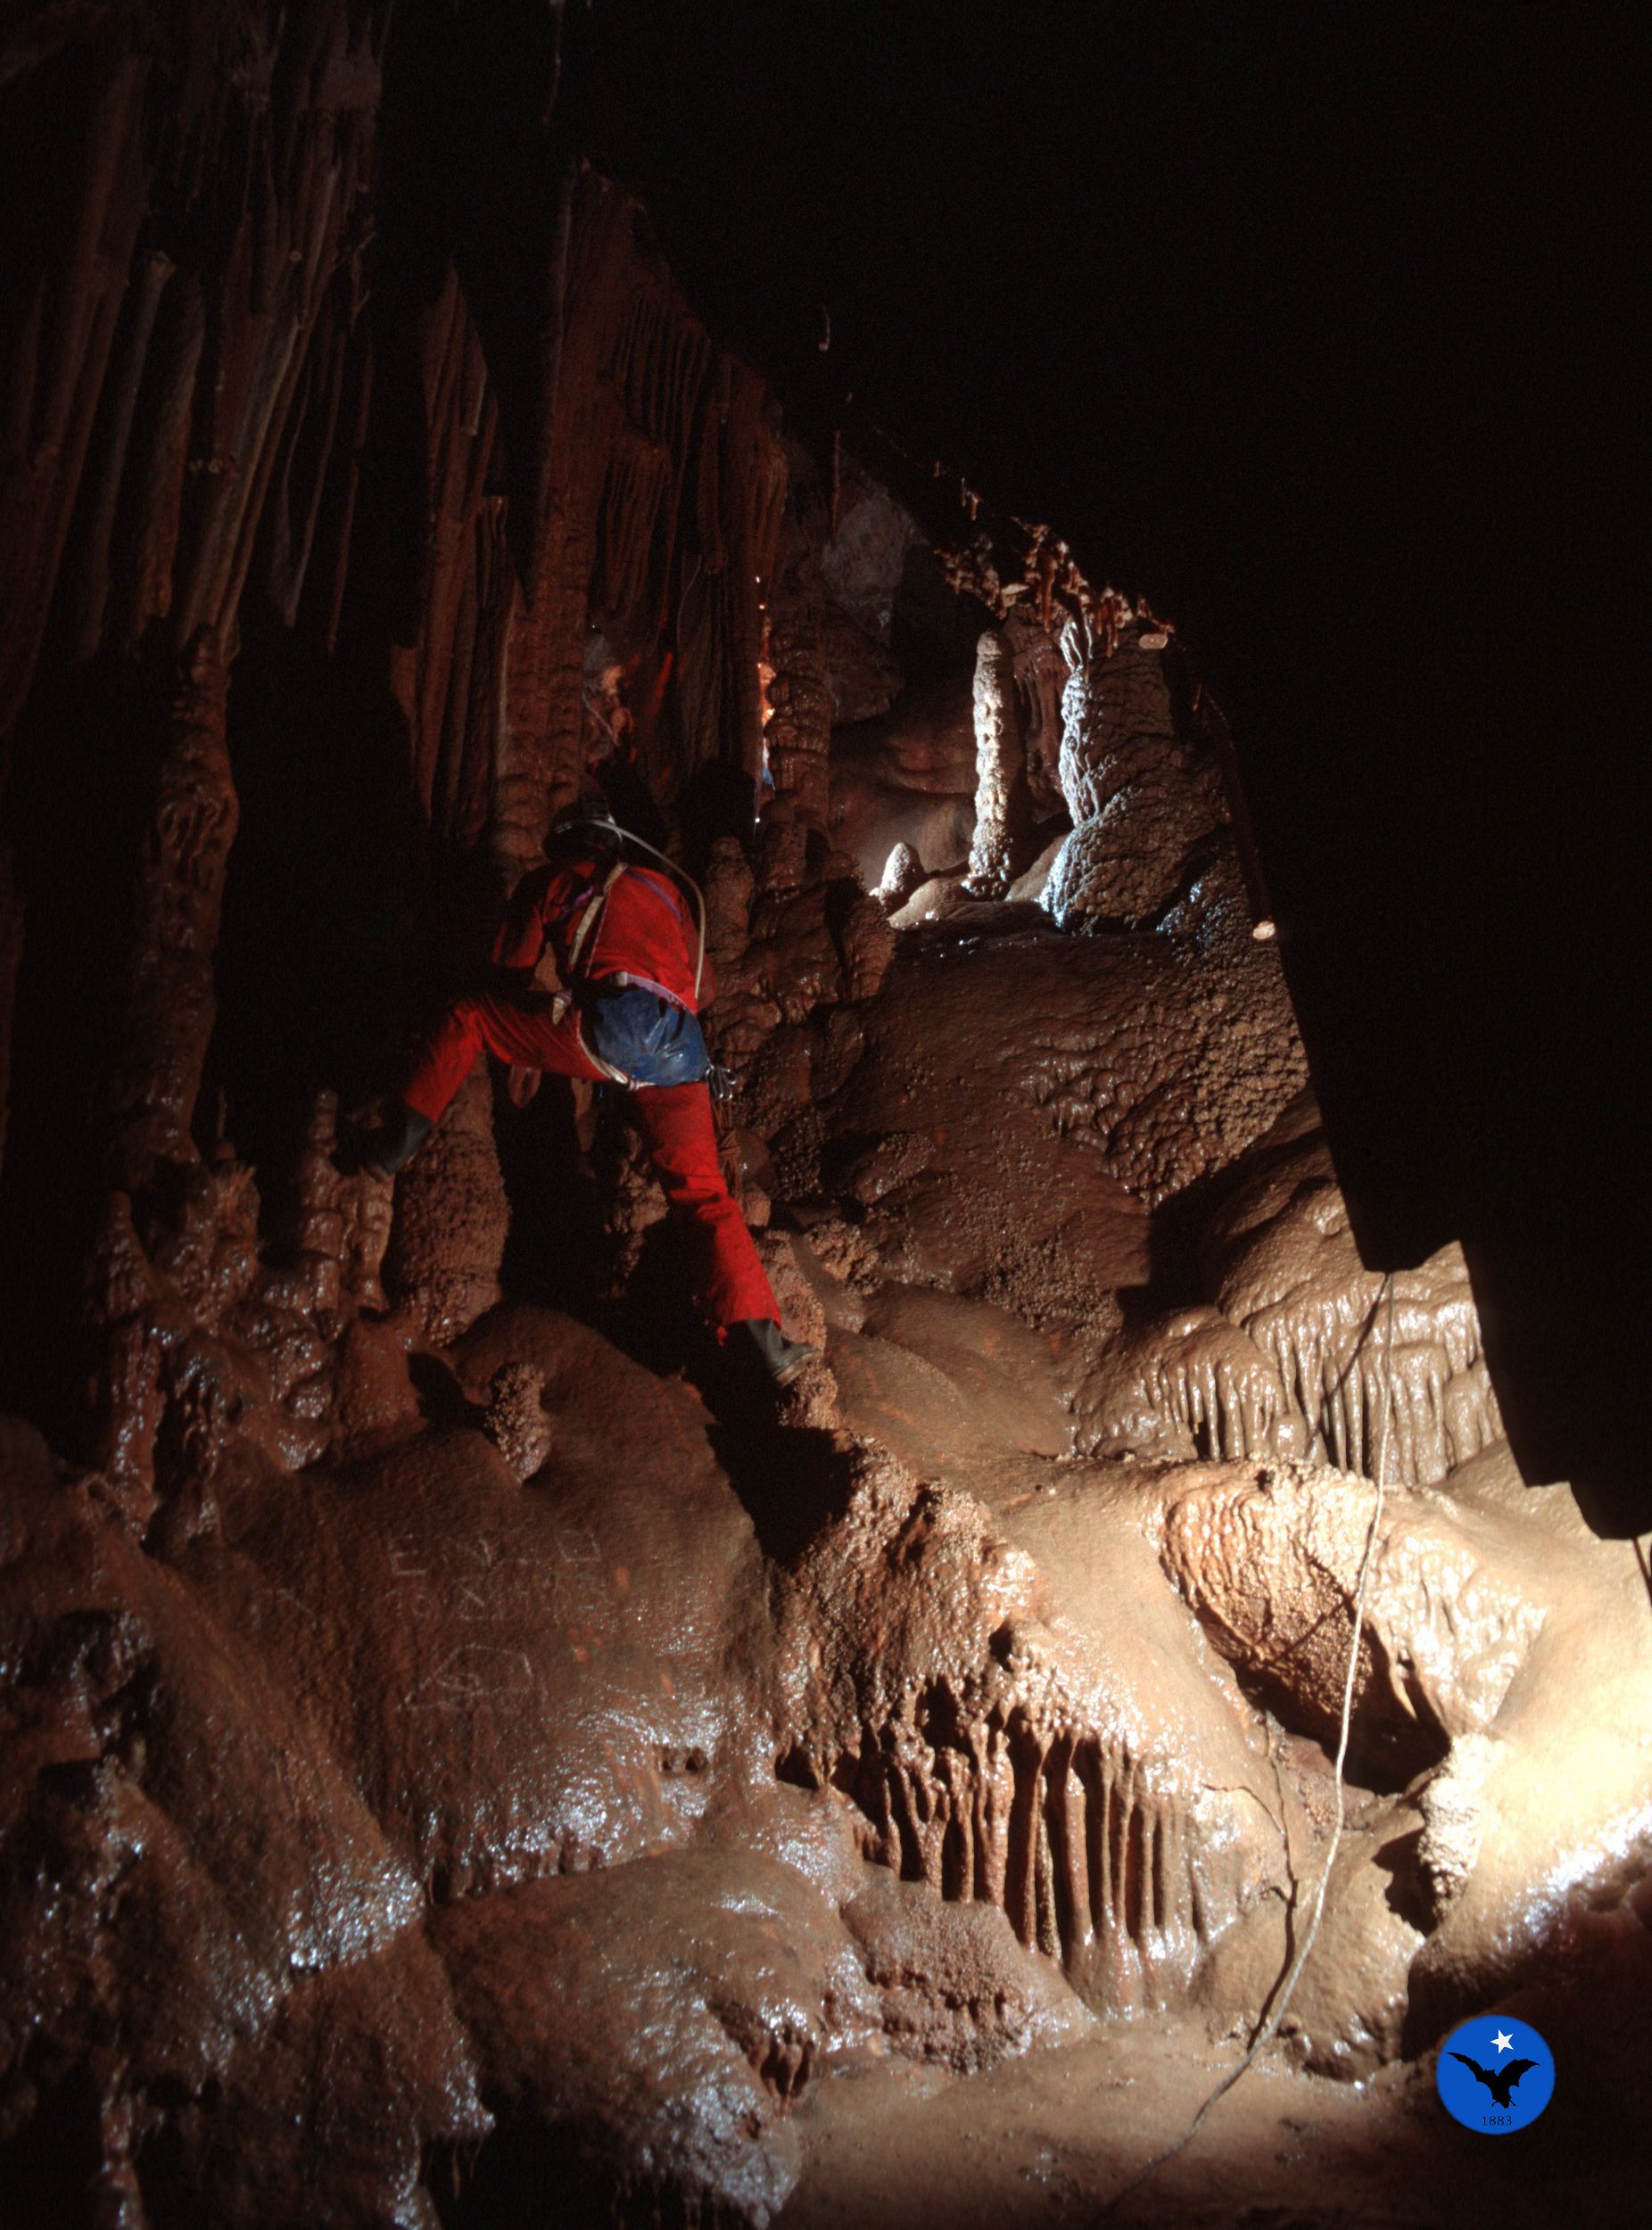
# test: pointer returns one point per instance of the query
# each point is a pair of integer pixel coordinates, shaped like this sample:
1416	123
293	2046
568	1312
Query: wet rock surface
1121	1069
468	1757
468	1817
490	1829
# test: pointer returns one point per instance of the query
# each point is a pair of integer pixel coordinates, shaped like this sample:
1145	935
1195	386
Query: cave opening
1085	548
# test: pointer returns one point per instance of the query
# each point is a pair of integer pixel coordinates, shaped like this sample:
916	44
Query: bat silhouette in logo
1499	2081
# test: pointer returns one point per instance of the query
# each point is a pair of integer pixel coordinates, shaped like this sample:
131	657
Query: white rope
1269	2028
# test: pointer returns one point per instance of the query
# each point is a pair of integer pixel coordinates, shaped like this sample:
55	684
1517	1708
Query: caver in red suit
596	962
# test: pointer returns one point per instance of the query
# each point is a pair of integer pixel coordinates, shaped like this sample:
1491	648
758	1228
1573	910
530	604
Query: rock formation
453	1746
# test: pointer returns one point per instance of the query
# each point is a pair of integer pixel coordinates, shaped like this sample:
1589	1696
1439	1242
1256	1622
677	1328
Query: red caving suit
643	936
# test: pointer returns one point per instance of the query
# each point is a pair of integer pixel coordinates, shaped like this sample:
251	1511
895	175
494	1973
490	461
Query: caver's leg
547	1037
543	1039
731	1284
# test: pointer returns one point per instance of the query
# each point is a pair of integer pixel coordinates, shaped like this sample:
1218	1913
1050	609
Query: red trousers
675	1120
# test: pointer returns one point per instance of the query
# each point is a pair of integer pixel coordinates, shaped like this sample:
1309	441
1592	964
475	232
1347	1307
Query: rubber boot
392	1148
781	1358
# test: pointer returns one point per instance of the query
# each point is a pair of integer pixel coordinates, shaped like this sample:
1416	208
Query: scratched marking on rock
403	1552
470	1671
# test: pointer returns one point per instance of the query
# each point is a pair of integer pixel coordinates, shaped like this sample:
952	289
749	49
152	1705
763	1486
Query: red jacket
645	932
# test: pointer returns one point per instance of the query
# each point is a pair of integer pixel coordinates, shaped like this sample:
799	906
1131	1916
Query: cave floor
1050	2137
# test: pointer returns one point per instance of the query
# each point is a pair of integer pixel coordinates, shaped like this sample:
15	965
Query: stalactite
1301	1374
450	753
92	589
351	488
461	418
636	495
310	448
11	956
542	716
160	465
178	402
282	260
544	693
1442	1409
1092	1862
476	778
1191	1385
58	370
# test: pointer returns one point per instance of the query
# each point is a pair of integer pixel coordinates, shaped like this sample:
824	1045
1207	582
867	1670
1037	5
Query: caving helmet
588	820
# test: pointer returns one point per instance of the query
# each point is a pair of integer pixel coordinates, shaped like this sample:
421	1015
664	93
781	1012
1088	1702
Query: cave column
543	675
799	734
1000	768
166	1006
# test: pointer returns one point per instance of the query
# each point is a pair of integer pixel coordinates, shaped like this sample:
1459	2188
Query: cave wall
356	442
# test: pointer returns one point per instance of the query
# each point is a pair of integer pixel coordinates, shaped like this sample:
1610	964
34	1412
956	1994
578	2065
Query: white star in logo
1503	2041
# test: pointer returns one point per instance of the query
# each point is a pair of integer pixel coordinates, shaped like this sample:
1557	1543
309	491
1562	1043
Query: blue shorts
648	1039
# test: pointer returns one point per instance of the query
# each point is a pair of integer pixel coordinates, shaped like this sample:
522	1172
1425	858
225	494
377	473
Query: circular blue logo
1495	2074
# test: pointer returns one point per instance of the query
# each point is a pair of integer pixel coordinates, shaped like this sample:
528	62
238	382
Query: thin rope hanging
1269	2028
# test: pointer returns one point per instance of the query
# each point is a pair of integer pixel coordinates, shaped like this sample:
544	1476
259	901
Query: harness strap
614	1074
583	938
591	916
627	979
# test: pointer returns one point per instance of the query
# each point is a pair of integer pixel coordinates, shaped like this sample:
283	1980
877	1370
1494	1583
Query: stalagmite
1001	811
1146	802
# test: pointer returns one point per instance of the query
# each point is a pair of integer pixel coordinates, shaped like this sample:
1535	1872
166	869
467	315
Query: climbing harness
611	827
590	917
1270	2028
671	1041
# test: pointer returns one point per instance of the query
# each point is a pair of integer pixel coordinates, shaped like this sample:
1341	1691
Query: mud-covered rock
1000	1751
448	1240
661	2019
955	1985
1067	1084
1271	1558
192	1886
